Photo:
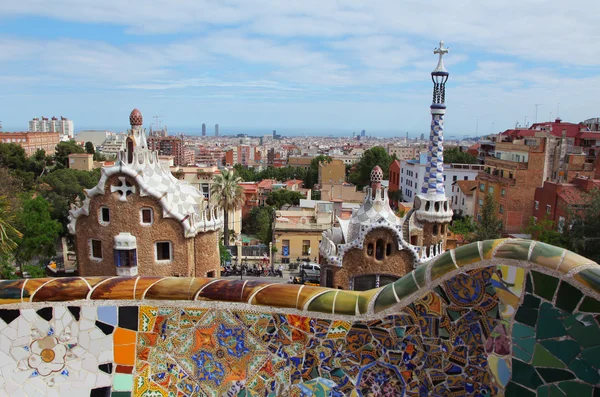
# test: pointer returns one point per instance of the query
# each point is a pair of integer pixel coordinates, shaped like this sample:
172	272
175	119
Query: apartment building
412	171
63	126
462	197
32	141
512	178
172	146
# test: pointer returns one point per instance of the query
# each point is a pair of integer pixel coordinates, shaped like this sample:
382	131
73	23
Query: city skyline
311	66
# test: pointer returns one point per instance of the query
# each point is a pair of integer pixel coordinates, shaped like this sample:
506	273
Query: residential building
250	197
555	200
404	152
345	192
172	146
299	161
348	159
412	171
264	188
332	172
394	182
97	137
512	179
63	126
32	141
592	124
81	161
297	233
463	197
139	219
112	145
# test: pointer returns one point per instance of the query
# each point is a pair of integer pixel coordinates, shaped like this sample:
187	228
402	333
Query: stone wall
125	217
494	318
358	262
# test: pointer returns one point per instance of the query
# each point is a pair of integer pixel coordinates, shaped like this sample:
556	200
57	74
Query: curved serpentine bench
499	317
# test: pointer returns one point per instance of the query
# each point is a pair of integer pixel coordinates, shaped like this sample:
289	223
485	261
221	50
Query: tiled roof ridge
566	265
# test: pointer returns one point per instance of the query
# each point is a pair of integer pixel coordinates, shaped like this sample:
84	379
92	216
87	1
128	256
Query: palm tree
227	194
8	233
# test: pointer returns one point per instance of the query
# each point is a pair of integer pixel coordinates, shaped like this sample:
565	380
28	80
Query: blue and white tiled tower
431	204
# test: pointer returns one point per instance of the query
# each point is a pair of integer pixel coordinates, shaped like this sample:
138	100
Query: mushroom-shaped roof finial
376	175
135	118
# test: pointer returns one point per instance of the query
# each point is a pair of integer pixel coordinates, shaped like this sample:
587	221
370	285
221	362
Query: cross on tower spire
441	51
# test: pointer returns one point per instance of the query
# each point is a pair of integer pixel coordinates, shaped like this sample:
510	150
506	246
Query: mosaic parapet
496	318
575	269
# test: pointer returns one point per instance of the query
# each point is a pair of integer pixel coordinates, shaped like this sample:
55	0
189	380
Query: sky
306	66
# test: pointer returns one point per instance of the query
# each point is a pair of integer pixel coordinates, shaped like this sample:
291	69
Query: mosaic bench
499	317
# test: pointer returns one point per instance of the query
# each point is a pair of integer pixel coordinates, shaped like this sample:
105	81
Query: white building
412	171
63	126
463	197
97	137
112	145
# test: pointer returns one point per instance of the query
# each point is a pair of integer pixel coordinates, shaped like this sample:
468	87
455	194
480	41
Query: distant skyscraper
203	129
363	133
422	137
216	129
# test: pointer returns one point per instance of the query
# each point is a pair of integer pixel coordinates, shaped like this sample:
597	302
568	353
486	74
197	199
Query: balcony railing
513	165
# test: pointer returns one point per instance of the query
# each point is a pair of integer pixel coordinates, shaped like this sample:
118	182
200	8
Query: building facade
412	172
171	146
32	141
63	126
463	197
139	219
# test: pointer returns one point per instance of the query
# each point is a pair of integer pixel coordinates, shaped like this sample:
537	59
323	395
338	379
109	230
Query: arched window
363	283
370	249
379	250
443	229
388	249
437	206
129	150
329	278
435	228
427	204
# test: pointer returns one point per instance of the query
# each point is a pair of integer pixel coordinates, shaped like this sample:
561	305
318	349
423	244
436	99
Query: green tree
89	148
464	228
361	176
62	186
7	271
584	227
280	197
259	222
228	195
35	271
455	155
545	231
63	150
489	227
12	156
40	231
9	235
224	253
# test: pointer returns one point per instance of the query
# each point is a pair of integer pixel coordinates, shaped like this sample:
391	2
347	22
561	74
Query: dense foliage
489	227
455	155
361	174
259	222
228	195
281	197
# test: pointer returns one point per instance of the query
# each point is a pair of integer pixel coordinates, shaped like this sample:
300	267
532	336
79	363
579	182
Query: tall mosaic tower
431	205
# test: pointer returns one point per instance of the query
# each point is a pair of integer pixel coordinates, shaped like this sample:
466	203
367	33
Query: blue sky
297	66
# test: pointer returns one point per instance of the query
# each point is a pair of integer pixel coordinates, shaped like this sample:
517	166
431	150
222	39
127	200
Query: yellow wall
296	239
333	172
81	162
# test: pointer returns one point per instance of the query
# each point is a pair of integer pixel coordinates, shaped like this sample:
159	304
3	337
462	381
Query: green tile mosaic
442	265
488	247
585	371
405	287
524	374
546	255
565	350
385	299
531	301
528	284
514	249
323	302
346	303
592	356
543	358
549	324
514	390
420	275
585	331
568	297
554	375
576	389
467	254
544	285
554	391
589	305
527	344
521	354
527	316
522	331
590	277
